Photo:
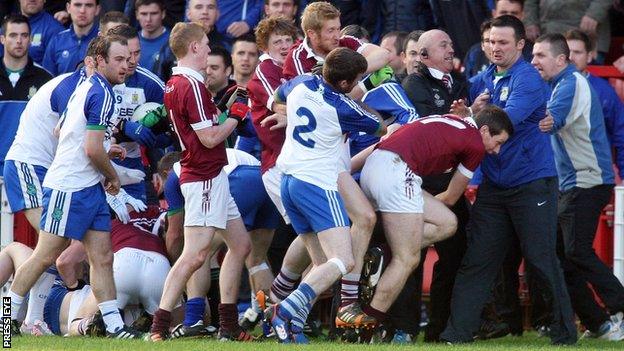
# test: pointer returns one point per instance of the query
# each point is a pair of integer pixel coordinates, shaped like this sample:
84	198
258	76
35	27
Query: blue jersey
150	49
318	119
579	138
66	50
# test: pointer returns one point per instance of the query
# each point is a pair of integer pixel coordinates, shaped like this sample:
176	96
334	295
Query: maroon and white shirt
301	58
190	108
436	144
141	232
267	77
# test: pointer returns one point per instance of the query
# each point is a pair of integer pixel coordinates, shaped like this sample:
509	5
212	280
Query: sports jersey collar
188	71
471	121
265	57
570	68
437	74
310	52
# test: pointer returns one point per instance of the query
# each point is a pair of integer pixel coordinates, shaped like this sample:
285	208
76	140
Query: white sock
254	303
111	315
16	303
37	297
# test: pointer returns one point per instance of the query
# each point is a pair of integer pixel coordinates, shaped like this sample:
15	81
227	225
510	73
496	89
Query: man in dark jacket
432	89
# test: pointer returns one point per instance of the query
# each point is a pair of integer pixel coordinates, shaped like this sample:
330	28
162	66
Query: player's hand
480	102
139	133
588	24
459	108
62	16
112	186
376	78
137	204
277	120
116	151
532	32
117	204
236	29
233	94
547	123
158	183
391	129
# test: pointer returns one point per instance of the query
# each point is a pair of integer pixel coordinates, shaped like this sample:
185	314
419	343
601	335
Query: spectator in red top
391	179
208	204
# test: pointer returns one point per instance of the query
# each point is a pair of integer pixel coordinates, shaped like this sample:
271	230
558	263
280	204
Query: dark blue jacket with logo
65	51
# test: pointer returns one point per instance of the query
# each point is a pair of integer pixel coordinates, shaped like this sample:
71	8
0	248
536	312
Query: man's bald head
436	50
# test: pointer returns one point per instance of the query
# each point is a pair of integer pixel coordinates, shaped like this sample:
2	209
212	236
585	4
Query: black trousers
579	211
528	211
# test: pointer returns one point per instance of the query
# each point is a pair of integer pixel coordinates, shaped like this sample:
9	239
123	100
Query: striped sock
283	284
296	301
349	289
298	320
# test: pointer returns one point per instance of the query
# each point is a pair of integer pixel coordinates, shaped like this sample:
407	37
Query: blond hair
316	14
182	35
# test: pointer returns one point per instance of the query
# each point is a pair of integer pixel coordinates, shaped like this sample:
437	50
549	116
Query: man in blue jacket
583	159
518	195
43	27
68	48
582	52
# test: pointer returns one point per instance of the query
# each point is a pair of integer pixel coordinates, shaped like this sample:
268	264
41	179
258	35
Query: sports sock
37	297
111	316
349	289
228	317
298	320
254	303
377	314
194	311
298	300
161	322
16	303
283	284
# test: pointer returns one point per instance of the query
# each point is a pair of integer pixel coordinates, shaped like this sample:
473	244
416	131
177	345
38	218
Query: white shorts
344	163
272	180
77	298
390	184
209	203
139	277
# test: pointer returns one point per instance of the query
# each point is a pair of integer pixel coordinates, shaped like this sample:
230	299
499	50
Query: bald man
432	88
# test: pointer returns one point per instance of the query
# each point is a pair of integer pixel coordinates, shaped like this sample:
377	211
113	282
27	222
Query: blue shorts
252	200
52	307
23	185
71	214
310	208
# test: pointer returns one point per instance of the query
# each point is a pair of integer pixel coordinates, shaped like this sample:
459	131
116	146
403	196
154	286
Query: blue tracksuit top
66	50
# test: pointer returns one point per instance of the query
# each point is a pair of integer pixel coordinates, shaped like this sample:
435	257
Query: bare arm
357	161
376	57
94	148
215	135
455	189
173	238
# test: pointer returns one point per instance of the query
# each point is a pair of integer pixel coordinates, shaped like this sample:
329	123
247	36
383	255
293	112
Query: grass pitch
528	342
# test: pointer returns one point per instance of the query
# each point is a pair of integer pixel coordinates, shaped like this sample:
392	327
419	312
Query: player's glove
156	120
239	109
137	204
138	132
117	204
233	94
376	78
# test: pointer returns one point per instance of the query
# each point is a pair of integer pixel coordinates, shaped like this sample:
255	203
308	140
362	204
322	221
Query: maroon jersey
436	144
137	234
190	108
301	58
265	80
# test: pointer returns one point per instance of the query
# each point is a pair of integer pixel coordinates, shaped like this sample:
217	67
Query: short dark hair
160	3
399	41
558	44
124	30
249	37
114	16
97	2
485	26
357	31
588	40
496	119
16	18
513	22
343	64
520	2
221	51
412	36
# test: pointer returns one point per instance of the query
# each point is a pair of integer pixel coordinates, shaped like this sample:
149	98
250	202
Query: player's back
91	104
315	132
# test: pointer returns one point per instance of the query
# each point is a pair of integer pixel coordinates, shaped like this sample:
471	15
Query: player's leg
24	191
260	274
11	258
440	221
69	262
33	215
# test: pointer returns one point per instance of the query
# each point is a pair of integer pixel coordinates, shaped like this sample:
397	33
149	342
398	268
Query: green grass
529	342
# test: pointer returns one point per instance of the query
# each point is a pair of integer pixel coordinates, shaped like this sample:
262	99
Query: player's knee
365	219
344	264
450	226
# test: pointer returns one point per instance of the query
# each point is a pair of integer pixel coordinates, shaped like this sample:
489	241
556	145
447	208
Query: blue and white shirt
318	119
90	108
579	138
35	142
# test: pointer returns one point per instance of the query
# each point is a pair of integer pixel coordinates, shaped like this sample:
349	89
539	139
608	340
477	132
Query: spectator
517	197
410	54
393	42
406	15
582	51
583	159
174	10
112	19
153	35
558	16
286	8
237	18
244	59
19	78
69	47
218	72
204	12
432	89
478	57
42	25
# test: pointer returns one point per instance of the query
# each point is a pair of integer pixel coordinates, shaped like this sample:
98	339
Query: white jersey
90	108
35	142
318	119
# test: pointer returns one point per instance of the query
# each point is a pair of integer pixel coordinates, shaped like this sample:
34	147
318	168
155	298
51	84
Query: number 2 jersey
436	144
318	119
